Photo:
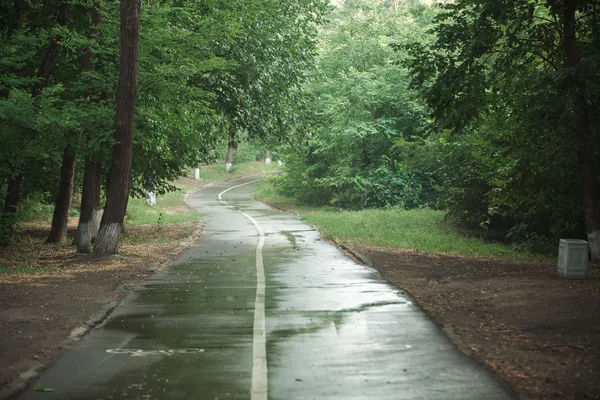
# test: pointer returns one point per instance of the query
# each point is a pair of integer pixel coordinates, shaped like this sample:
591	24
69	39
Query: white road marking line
259	389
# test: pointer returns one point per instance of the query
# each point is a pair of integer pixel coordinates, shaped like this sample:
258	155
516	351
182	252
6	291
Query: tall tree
231	145
89	213
44	72
62	205
583	129
523	77
117	193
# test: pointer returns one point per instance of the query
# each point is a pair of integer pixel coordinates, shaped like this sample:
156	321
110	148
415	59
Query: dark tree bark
583	132
7	218
89	218
117	193
12	195
58	232
62	206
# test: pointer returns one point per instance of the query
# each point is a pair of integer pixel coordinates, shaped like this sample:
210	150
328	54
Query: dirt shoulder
537	331
60	293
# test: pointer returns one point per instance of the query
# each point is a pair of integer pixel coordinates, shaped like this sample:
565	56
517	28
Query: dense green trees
364	118
485	108
204	66
491	102
517	82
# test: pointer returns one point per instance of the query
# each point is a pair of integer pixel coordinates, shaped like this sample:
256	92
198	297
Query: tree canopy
203	66
484	108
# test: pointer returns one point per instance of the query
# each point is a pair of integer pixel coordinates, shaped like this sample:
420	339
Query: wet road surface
260	307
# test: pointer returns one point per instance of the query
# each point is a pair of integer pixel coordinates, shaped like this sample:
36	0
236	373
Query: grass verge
420	229
170	207
152	233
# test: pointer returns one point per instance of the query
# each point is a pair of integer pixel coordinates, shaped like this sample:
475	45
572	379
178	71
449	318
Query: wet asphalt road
305	322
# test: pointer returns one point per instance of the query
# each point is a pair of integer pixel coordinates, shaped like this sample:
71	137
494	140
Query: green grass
216	172
421	229
171	209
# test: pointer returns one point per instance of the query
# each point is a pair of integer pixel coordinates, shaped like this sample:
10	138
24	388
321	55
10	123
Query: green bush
7	223
35	207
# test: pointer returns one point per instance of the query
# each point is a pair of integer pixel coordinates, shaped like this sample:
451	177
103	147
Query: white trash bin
573	258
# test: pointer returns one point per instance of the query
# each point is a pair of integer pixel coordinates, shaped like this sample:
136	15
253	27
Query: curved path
260	307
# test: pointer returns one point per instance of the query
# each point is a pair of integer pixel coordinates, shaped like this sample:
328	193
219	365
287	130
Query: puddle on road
291	238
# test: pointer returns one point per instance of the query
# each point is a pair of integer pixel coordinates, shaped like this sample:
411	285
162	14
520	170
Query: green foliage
254	150
160	222
495	76
170	209
216	172
409	229
422	229
35	208
204	66
365	120
7	223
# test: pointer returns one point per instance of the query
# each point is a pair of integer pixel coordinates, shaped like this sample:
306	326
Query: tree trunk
12	194
267	157
197	173
8	216
229	159
230	149
89	218
62	207
117	193
583	133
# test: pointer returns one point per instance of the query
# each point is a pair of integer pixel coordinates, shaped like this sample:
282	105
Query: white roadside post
151	198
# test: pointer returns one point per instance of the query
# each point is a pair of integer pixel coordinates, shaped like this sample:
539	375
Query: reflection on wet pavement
334	329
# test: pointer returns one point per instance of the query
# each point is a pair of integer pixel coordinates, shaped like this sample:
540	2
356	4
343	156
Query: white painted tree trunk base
108	240
197	174
228	167
280	163
96	219
594	242
87	232
83	238
267	161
